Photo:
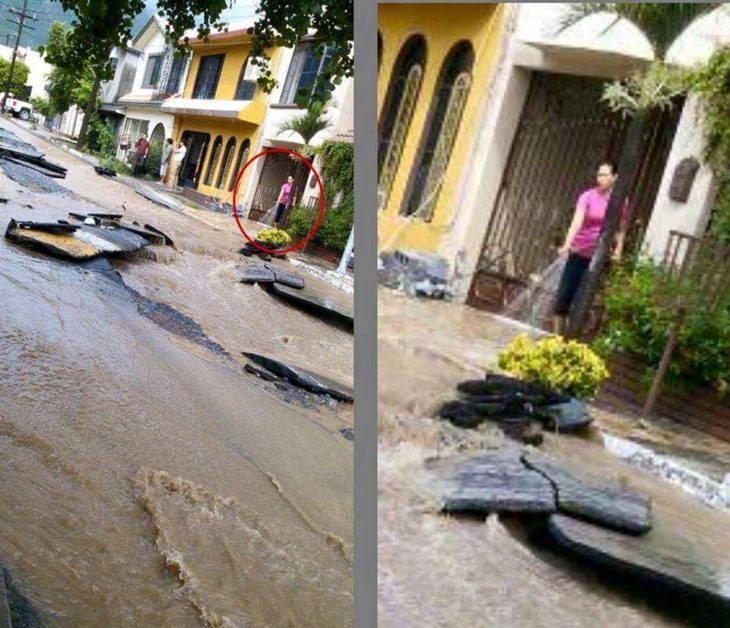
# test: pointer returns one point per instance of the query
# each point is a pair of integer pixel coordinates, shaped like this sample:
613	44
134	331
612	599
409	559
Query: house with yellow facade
491	123
219	113
226	118
436	62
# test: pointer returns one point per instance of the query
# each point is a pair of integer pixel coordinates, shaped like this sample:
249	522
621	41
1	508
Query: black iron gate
564	132
277	168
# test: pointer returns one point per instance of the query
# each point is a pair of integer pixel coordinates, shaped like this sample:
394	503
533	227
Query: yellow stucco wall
443	26
236	53
226	129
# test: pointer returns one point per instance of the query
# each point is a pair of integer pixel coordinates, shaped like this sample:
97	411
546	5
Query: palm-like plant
307	125
661	24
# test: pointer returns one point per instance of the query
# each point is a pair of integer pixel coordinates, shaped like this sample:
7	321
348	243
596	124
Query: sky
48	11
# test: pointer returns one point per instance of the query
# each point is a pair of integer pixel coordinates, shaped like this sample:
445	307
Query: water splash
532	305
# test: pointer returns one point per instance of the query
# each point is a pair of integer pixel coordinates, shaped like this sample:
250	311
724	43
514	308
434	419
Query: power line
22	16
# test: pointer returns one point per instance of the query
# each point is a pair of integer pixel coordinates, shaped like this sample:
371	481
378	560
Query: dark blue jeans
575	267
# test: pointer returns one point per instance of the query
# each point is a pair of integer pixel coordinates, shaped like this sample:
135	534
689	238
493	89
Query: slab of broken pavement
548	471
87	215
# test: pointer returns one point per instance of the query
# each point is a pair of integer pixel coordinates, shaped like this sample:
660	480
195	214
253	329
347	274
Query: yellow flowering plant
276	238
565	366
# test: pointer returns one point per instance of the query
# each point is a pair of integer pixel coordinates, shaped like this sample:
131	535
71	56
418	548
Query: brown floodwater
146	480
446	571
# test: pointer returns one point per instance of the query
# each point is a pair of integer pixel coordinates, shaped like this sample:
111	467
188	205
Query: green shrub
566	366
154	160
100	139
335	228
640	309
274	237
114	164
300	222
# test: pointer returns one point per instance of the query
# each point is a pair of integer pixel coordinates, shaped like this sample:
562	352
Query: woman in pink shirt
283	200
582	239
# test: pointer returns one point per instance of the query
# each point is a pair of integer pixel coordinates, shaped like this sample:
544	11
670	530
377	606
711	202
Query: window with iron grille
240	162
308	61
114	64
213	163
247	81
152	71
226	167
209	72
397	112
176	71
442	126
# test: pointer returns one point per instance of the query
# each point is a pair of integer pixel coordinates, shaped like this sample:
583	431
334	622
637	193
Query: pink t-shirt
594	202
285	192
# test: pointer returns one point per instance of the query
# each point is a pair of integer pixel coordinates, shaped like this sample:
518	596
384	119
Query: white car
19	108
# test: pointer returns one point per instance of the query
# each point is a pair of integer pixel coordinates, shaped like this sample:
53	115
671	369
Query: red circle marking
320	213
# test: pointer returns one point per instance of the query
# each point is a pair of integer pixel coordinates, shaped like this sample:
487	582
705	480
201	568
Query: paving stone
499	482
593	500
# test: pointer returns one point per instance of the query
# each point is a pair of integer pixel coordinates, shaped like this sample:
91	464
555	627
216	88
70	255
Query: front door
277	168
565	130
190	172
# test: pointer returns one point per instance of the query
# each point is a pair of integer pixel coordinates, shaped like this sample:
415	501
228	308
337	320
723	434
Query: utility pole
22	15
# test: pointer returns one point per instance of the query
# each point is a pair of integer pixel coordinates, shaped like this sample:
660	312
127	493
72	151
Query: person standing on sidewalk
166	158
178	157
283	201
582	240
141	148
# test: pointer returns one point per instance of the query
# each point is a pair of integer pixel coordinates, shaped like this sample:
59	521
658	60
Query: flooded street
445	571
147	480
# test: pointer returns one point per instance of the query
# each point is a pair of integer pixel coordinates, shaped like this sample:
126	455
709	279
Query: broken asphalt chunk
301	377
168	239
496	482
667	559
257	274
591	500
309	301
106	172
286	279
269	377
159	198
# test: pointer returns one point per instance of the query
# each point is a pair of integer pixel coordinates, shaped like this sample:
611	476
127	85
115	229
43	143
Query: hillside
49	11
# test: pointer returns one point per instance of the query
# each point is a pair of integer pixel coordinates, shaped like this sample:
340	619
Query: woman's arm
575	226
281	194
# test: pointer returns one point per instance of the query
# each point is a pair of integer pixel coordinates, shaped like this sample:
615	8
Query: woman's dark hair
169	140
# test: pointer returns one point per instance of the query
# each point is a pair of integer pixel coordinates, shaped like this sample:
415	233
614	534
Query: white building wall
587	49
39	69
690	217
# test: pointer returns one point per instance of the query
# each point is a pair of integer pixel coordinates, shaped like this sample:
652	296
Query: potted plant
273	239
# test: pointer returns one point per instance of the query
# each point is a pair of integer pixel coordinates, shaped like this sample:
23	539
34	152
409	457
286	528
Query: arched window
227	160
215	153
380	49
246	87
240	161
442	126
397	111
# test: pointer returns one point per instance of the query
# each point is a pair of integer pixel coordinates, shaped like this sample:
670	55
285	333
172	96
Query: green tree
308	124
285	22
100	26
20	76
66	85
314	120
662	24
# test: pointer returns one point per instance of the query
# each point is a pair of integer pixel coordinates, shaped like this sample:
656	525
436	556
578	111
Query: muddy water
440	571
146	481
